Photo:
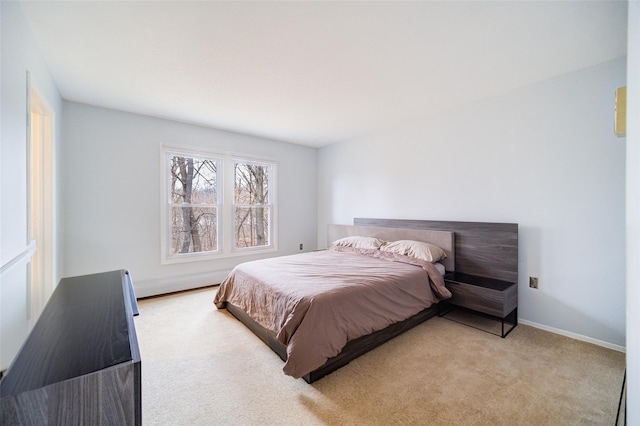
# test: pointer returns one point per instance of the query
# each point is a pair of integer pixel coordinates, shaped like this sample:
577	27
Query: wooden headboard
481	248
443	239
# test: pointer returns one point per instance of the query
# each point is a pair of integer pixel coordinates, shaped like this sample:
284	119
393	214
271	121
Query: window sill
197	257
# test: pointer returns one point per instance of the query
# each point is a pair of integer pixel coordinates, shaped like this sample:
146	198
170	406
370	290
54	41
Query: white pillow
417	249
359	242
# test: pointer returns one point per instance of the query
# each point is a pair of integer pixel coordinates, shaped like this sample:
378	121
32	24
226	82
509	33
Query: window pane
194	229
251	184
251	204
193	180
252	226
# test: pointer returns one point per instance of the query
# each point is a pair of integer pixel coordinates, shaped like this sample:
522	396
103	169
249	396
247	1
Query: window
209	212
251	205
193	203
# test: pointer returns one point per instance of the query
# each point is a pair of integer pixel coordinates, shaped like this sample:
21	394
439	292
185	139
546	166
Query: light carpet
200	366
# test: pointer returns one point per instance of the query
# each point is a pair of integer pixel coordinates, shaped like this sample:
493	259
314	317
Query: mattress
314	303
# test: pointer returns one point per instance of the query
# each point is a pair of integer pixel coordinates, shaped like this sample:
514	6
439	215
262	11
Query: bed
320	310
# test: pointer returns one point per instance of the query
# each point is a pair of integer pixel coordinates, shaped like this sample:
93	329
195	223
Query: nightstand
493	298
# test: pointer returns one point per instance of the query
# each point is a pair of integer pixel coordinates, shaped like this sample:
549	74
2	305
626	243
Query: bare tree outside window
252	208
194	204
216	205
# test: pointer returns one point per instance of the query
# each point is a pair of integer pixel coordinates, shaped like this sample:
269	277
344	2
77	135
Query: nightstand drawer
486	300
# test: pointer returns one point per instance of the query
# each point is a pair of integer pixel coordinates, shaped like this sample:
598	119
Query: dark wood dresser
81	362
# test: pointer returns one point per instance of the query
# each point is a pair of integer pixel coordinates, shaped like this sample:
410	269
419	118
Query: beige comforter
315	303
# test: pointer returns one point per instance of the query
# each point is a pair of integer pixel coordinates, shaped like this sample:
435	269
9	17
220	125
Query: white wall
19	55
633	215
112	184
543	156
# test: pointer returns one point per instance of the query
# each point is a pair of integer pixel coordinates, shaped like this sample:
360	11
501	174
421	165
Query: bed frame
479	248
352	349
357	347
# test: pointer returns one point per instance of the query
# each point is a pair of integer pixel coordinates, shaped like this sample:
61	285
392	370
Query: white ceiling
314	73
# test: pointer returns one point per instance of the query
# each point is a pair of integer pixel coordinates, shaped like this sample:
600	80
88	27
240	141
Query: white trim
166	257
574	335
24	256
208	255
153	287
225	182
271	205
222	153
40	200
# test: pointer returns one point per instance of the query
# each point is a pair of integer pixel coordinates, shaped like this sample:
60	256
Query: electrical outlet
533	282
301	246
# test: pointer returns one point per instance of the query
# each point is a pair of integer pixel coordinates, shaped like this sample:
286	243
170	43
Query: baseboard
154	287
574	335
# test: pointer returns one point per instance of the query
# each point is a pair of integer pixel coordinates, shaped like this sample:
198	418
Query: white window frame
270	205
225	187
